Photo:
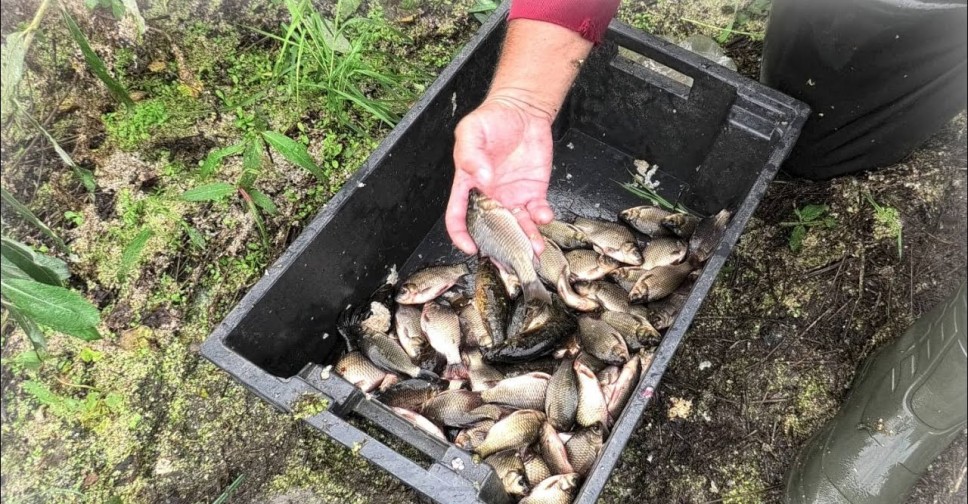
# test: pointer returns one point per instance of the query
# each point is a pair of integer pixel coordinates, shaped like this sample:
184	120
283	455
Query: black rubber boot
908	403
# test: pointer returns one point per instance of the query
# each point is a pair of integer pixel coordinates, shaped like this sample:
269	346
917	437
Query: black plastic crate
718	143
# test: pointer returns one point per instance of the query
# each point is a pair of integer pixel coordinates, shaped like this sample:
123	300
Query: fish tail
535	290
456	372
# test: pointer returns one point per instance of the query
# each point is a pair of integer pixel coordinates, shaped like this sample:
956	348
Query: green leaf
91	4
131	6
85	175
94	62
258	221
44	269
294	152
252	162
482	6
812	212
332	37
29	216
117	9
215	157
209	192
55	307
262	201
194	236
14	52
132	253
346	8
34	333
796	238
64	407
28	359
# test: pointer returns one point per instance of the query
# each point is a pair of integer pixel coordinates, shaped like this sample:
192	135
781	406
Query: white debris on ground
704	365
645	172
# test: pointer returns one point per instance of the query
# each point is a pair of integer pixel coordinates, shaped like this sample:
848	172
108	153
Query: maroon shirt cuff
589	18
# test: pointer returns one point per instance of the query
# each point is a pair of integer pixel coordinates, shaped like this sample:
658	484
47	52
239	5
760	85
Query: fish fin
428	375
456	372
536	290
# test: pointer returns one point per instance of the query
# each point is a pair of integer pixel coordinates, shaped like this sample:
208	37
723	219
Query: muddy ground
139	417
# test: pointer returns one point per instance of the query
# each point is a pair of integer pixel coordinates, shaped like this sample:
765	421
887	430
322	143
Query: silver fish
558	489
589	265
525	391
442	327
602	340
592	408
611	239
553	450
510	470
473	327
584	447
609	295
358	370
561	400
567	236
421	422
681	224
482	375
663	252
518	429
408	331
428	283
573	299
634	328
659	282
647	219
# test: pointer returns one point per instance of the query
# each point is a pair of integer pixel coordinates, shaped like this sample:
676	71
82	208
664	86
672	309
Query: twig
77	385
730	30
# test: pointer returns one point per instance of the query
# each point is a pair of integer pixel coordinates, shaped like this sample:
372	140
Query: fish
429	283
626	276
565	235
561	399
570	348
707	236
611	239
607	378
407	328
592	408
662	313
472	327
510	470
358	370
552	264
442	326
457	408
621	388
659	282
583	448
663	252
634	328
535	468
558	489
518	429
525	391
646	219
498	236
574	300
510	281
593	363
421	422
535	330
388	355
589	265
472	436
481	375
602	340
681	224
492	301
410	394
609	295
553	450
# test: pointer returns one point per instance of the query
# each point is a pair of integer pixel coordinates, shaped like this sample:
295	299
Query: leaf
29	216
55	307
131	6
29	359
482	6
258	221
132	253
346	8
252	162
294	152
63	407
85	175
262	201
44	269
796	238
194	236
94	62
216	156
812	212
331	37
34	333
209	192
14	53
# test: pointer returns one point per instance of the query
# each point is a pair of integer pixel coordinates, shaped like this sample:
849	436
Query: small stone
704	365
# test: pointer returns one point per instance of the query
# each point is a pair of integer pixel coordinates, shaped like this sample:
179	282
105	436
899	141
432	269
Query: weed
887	223
129	128
742	16
230	490
482	9
808	216
115	7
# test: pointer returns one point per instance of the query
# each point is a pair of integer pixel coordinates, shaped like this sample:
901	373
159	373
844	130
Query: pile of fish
528	361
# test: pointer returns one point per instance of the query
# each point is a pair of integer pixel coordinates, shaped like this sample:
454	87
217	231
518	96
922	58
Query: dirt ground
140	417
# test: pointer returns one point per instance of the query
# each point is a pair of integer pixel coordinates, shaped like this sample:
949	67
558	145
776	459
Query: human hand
504	149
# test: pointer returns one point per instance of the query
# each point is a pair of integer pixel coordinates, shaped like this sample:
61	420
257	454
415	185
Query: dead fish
646	219
472	436
634	328
602	340
358	370
592	408
621	388
388	355
681	224
610	296
455	297
473	328
662	313
589	265
558	489
481	375
509	468
491	300
442	327
583	448
430	282
410	394
510	281
626	276
535	468
607	378
569	349
707	236
561	399
552	264
611	239
593	363
518	429
525	391
567	236
535	330
663	252
421	422
498	236
573	299
408	331
457	408
553	450
659	282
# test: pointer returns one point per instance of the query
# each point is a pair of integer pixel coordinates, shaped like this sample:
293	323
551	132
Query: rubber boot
908	403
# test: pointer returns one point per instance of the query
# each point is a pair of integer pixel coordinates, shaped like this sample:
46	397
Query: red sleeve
589	18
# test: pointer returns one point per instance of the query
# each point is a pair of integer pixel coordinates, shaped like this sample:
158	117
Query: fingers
530	229
541	212
456	217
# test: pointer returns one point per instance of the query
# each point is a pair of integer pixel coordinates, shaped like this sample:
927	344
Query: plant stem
35	23
730	30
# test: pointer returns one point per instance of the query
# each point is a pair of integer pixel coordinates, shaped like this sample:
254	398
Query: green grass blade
216	156
32	330
209	192
62	310
294	152
83	174
132	253
257	216
94	62
31	218
230	490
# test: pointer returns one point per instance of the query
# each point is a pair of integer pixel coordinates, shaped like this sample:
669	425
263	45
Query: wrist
524	100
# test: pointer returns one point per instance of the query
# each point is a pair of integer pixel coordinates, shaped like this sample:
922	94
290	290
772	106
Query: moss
744	485
309	405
